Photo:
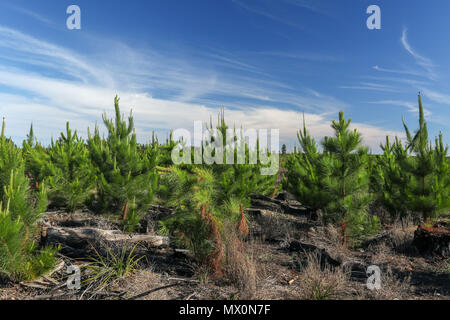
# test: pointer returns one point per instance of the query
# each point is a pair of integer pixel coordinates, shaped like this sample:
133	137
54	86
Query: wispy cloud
412	82
313	6
412	107
426	63
425	69
408	72
266	12
32	14
372	87
303	56
165	91
17	46
437	96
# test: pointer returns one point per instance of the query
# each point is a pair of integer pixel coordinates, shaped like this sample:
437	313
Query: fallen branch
190	296
182	279
51	296
35	285
75	241
153	290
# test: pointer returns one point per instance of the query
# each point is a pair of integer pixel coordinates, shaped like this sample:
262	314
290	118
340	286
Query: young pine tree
241	178
20	209
390	179
127	176
427	184
335	181
209	196
305	176
347	162
164	150
36	158
69	171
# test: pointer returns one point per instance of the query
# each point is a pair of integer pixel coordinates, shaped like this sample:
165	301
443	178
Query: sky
266	62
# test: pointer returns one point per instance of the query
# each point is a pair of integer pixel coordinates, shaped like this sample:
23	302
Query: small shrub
112	266
41	262
133	219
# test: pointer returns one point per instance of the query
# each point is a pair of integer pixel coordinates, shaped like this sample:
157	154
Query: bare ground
281	273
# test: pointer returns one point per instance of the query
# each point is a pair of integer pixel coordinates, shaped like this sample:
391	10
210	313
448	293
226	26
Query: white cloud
32	14
409	72
85	86
422	61
412	107
372	87
302	56
266	12
437	96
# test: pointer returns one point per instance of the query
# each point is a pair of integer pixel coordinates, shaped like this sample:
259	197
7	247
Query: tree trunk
125	211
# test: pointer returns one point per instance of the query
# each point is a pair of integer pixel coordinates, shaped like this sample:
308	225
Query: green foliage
208	196
237	180
40	261
36	158
114	265
191	192
347	164
335	180
19	212
124	171
306	173
415	179
389	179
14	184
133	218
12	249
19	257
69	171
164	150
241	178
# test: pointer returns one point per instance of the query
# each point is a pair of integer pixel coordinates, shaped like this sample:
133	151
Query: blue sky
265	61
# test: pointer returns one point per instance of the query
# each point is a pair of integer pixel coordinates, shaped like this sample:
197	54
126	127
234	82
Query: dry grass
201	273
392	288
322	283
402	234
274	225
330	237
240	266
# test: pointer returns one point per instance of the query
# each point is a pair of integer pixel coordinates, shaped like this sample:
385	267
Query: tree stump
432	240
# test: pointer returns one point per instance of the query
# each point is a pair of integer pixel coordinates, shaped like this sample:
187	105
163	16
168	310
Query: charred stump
432	240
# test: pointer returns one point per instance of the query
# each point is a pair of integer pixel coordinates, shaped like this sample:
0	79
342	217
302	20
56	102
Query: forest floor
288	257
